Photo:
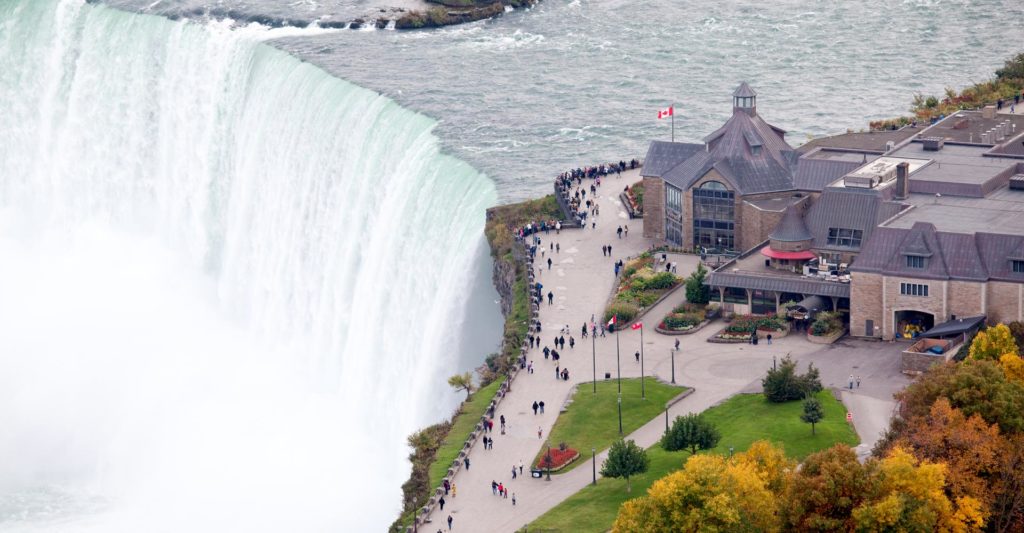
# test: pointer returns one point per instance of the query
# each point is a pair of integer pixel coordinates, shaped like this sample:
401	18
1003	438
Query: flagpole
643	394
673	116
618	364
593	353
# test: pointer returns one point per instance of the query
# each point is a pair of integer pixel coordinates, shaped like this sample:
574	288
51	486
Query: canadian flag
612	321
638	325
665	112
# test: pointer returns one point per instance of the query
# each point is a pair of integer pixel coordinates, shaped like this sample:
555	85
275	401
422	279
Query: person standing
637	355
455	490
769	338
858	382
466	462
677	345
447	486
520	467
513	499
851	381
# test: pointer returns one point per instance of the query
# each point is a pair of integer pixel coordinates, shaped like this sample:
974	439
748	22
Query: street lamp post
666	420
643	392
673	366
773	363
547	460
620	414
593	461
593	354
618	363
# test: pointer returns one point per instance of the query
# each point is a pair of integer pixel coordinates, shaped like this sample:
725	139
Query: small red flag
638	325
665	112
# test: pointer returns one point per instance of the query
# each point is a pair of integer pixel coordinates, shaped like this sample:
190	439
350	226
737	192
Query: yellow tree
993	343
712	493
1013	367
909	495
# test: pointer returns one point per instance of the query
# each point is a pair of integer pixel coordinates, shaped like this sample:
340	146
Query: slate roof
816	174
850	209
662	156
970	257
791	228
869	141
954	327
744	91
798	285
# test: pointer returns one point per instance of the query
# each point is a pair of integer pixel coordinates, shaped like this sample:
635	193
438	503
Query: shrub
625	311
783	384
696	291
662	280
691	432
750	323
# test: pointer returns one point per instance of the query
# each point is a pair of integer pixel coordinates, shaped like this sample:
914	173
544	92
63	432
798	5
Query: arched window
714	213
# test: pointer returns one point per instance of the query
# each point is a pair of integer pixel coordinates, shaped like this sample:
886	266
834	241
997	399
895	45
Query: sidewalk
581	280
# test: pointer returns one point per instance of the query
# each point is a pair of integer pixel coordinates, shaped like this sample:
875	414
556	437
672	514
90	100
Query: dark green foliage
1013	70
691	432
424	444
624	311
974	387
750	323
625	459
661	280
826	323
696	291
813	413
783	384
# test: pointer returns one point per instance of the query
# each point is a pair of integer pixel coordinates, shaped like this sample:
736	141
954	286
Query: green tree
461	382
783	384
813	413
691	432
993	343
696	291
625	459
974	387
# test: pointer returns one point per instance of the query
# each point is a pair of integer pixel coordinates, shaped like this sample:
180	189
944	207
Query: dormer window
1017	265
915	261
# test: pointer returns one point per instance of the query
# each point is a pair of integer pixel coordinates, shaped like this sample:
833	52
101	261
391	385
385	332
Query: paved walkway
581	279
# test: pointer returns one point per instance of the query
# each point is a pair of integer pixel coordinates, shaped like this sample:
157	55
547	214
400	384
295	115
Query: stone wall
1005	301
965	299
865	303
654	208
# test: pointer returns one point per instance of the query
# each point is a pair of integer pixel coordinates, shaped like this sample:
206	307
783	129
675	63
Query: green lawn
592	420
462	425
742	420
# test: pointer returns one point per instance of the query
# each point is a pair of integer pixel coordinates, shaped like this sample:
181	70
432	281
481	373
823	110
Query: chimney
902	180
988	111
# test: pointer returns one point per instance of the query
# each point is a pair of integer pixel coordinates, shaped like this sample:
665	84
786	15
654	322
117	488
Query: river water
233	282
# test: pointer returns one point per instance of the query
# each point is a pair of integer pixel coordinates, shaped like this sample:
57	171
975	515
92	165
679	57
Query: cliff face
504	276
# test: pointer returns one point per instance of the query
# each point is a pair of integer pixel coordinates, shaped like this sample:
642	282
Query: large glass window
714	211
673	215
847	238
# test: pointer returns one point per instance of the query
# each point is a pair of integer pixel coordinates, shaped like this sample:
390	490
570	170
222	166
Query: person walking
625	232
551	297
549	263
513	471
637	355
584	332
619	231
466	462
520	467
609	250
494	487
513	499
541	407
539	432
851	381
677	345
547	352
769	338
455	490
447	486
449	522
572	342
502	424
441	502
858	382
535	406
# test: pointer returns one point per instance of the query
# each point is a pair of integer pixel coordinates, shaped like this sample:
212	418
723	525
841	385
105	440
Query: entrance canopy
958	326
810	306
804	255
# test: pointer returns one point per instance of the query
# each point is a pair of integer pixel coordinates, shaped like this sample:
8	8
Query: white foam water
227	279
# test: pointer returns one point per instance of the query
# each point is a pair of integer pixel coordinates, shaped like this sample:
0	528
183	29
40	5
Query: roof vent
933	144
890	146
1017	182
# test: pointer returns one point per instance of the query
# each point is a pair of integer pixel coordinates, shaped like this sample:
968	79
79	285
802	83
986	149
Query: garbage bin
536	472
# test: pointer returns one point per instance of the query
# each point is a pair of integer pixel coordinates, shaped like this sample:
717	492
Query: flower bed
635	196
742	326
826	328
559	459
640	288
685	318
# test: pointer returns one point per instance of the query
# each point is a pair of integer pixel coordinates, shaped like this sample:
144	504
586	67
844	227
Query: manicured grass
462	425
742	420
592	420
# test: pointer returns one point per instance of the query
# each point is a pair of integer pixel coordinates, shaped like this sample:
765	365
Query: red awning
775	254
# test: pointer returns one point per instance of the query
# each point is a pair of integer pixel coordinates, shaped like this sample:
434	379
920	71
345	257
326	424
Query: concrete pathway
581	279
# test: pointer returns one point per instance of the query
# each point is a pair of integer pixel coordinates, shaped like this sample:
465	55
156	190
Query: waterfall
229	282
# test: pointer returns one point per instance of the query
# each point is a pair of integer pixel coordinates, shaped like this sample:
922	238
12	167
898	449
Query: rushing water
229	281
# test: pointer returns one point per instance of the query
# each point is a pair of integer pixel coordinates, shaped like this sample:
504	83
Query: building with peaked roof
902	230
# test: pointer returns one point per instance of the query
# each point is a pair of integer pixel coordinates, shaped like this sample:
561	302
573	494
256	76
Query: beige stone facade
877	298
654	208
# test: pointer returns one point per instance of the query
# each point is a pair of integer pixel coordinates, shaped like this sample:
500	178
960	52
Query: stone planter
761	334
694	329
826	339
